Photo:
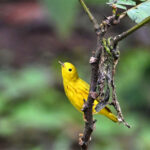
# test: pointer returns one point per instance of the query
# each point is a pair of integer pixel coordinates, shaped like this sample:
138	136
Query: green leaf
120	6
141	12
120	3
63	12
126	2
123	2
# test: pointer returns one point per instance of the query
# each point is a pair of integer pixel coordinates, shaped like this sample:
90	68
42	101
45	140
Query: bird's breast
75	95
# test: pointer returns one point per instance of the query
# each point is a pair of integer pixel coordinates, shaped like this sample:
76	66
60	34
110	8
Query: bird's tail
107	112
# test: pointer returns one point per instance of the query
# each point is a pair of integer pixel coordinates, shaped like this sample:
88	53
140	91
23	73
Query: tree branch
88	105
97	60
100	30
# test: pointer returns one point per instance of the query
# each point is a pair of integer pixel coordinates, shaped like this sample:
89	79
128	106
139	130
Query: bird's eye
70	69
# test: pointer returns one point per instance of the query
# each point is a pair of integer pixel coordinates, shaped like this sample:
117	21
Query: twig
128	32
115	102
91	17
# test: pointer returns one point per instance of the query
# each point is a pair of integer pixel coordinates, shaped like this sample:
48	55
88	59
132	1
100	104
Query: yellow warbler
77	90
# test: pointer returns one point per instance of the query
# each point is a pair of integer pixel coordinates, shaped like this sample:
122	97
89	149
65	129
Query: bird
77	90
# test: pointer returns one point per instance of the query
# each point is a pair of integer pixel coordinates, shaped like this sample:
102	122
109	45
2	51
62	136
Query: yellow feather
77	90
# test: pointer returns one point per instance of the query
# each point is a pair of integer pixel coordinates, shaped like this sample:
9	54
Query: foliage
137	13
122	3
141	12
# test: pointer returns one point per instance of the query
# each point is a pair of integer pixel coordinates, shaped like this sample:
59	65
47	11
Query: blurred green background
34	111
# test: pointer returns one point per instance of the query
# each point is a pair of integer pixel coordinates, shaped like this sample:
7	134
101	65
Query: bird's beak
62	64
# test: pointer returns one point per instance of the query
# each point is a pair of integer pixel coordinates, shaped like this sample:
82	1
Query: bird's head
69	71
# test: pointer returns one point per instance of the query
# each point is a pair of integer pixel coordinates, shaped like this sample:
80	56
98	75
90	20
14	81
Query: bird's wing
83	87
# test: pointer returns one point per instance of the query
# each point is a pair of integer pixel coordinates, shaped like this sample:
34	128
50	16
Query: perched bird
77	90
